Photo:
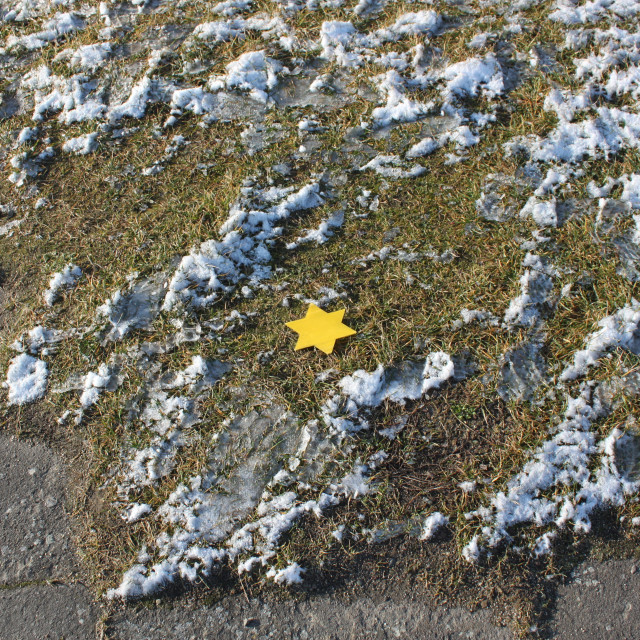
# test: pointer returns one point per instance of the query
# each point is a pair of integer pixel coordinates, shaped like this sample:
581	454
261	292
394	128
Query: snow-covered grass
453	183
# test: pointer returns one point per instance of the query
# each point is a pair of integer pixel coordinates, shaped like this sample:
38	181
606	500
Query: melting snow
389	166
622	330
26	379
557	485
253	72
90	57
60	25
325	230
469	77
363	390
243	253
432	524
82	145
289	575
536	285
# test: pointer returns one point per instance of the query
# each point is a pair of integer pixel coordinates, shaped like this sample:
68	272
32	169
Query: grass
103	215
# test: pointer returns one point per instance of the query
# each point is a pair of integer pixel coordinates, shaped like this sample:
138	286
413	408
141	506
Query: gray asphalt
42	596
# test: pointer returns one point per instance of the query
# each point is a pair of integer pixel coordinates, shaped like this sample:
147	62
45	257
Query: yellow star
320	329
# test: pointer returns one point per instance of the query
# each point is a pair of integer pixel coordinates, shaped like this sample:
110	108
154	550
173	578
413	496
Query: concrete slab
603	601
325	617
34	532
47	612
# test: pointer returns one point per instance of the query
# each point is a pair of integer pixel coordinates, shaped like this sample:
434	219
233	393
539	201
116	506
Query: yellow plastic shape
320	329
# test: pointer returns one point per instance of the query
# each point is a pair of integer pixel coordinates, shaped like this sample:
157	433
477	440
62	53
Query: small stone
251	623
51	501
634	569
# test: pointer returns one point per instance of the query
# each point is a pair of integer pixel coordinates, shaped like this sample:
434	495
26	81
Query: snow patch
559	485
291	574
321	234
26	379
432	524
619	330
243	253
82	145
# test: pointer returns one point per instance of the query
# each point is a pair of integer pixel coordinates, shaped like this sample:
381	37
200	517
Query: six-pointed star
320	329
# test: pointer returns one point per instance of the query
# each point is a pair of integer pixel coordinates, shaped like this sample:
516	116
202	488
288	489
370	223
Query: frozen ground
181	178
